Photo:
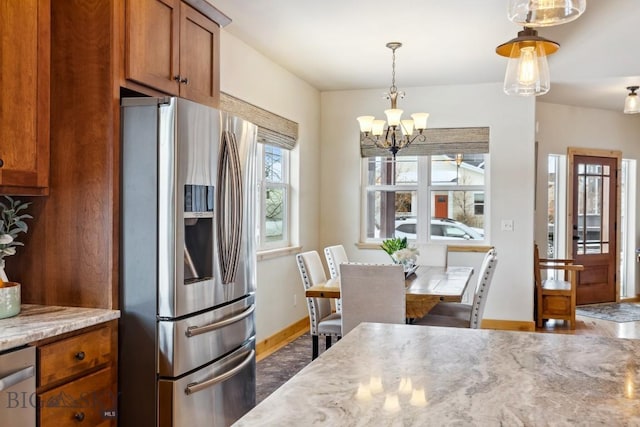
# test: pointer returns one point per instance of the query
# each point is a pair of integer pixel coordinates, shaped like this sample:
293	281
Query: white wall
510	181
563	126
248	75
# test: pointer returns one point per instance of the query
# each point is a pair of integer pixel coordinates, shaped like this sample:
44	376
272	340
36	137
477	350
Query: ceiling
340	44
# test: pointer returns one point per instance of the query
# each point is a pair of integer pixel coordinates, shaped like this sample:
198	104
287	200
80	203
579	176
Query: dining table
425	287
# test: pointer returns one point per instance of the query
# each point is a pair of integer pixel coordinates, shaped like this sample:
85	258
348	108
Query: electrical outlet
507	225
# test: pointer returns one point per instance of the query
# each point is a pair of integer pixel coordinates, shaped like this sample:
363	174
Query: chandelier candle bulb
406	126
420	120
377	128
365	123
393	116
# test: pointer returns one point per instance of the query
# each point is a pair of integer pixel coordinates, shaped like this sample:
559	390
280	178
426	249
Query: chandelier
399	133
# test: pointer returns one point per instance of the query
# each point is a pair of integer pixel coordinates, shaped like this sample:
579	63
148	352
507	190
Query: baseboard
509	325
631	299
281	338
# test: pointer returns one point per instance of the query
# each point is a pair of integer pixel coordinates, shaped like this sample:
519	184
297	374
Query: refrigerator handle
229	201
196	387
192	331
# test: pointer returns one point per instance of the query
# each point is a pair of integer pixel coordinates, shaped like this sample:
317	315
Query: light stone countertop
36	322
410	375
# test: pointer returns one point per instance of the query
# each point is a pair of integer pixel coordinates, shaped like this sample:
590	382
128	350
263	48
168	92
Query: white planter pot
9	299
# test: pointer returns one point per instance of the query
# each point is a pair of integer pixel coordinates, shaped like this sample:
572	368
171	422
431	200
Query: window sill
368	245
277	253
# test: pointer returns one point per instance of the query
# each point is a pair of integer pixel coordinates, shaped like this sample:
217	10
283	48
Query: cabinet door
151	43
89	400
199	56
24	96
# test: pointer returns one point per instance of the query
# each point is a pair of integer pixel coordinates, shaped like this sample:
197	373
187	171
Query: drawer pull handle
192	331
79	416
196	387
17	377
79	355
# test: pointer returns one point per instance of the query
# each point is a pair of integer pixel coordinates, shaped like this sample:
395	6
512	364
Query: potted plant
12	223
400	252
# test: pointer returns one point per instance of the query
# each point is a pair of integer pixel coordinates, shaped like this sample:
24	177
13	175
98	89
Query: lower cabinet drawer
73	356
90	401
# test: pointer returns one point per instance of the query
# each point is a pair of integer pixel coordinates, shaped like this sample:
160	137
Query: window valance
272	128
471	140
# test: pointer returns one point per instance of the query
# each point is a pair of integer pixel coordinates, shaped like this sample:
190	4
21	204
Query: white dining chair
371	293
335	255
460	315
321	320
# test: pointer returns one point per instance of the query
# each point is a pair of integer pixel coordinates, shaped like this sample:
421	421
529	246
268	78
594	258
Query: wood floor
592	326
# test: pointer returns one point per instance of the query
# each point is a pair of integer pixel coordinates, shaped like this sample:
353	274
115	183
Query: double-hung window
273	185
436	196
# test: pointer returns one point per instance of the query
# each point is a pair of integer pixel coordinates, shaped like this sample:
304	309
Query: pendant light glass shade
544	13
631	104
527	72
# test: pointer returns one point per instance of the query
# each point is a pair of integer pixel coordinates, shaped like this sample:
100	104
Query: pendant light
527	70
631	104
544	13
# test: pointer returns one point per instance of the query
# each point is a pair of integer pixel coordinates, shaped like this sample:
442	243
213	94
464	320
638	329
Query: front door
594	212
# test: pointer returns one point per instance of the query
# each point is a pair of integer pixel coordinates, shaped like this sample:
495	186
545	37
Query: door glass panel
593	209
594	169
605	210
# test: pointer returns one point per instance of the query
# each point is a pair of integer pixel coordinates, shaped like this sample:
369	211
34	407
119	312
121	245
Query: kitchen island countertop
410	375
36	322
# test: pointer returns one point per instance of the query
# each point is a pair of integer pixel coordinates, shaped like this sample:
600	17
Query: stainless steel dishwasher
18	387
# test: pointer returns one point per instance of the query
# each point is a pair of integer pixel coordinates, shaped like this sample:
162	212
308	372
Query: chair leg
314	352
327	341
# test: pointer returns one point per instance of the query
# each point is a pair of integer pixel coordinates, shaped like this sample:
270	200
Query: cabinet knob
184	80
1	163
177	78
79	416
79	355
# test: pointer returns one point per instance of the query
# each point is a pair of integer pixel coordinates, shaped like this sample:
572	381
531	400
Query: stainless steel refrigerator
187	279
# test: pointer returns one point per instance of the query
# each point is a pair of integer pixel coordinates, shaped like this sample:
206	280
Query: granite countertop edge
37	322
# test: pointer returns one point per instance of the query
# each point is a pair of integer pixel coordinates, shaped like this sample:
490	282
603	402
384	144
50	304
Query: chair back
470	256
482	288
312	273
537	276
335	256
372	293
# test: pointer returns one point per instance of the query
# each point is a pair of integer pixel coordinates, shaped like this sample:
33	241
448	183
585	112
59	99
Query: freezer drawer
18	387
189	343
216	395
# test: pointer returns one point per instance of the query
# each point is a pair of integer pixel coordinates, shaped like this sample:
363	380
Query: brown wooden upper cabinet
173	48
25	37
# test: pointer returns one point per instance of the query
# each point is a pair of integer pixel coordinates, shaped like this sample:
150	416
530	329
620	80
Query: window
273	188
425	198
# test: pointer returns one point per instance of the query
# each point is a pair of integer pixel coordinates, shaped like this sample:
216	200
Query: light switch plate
507	225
